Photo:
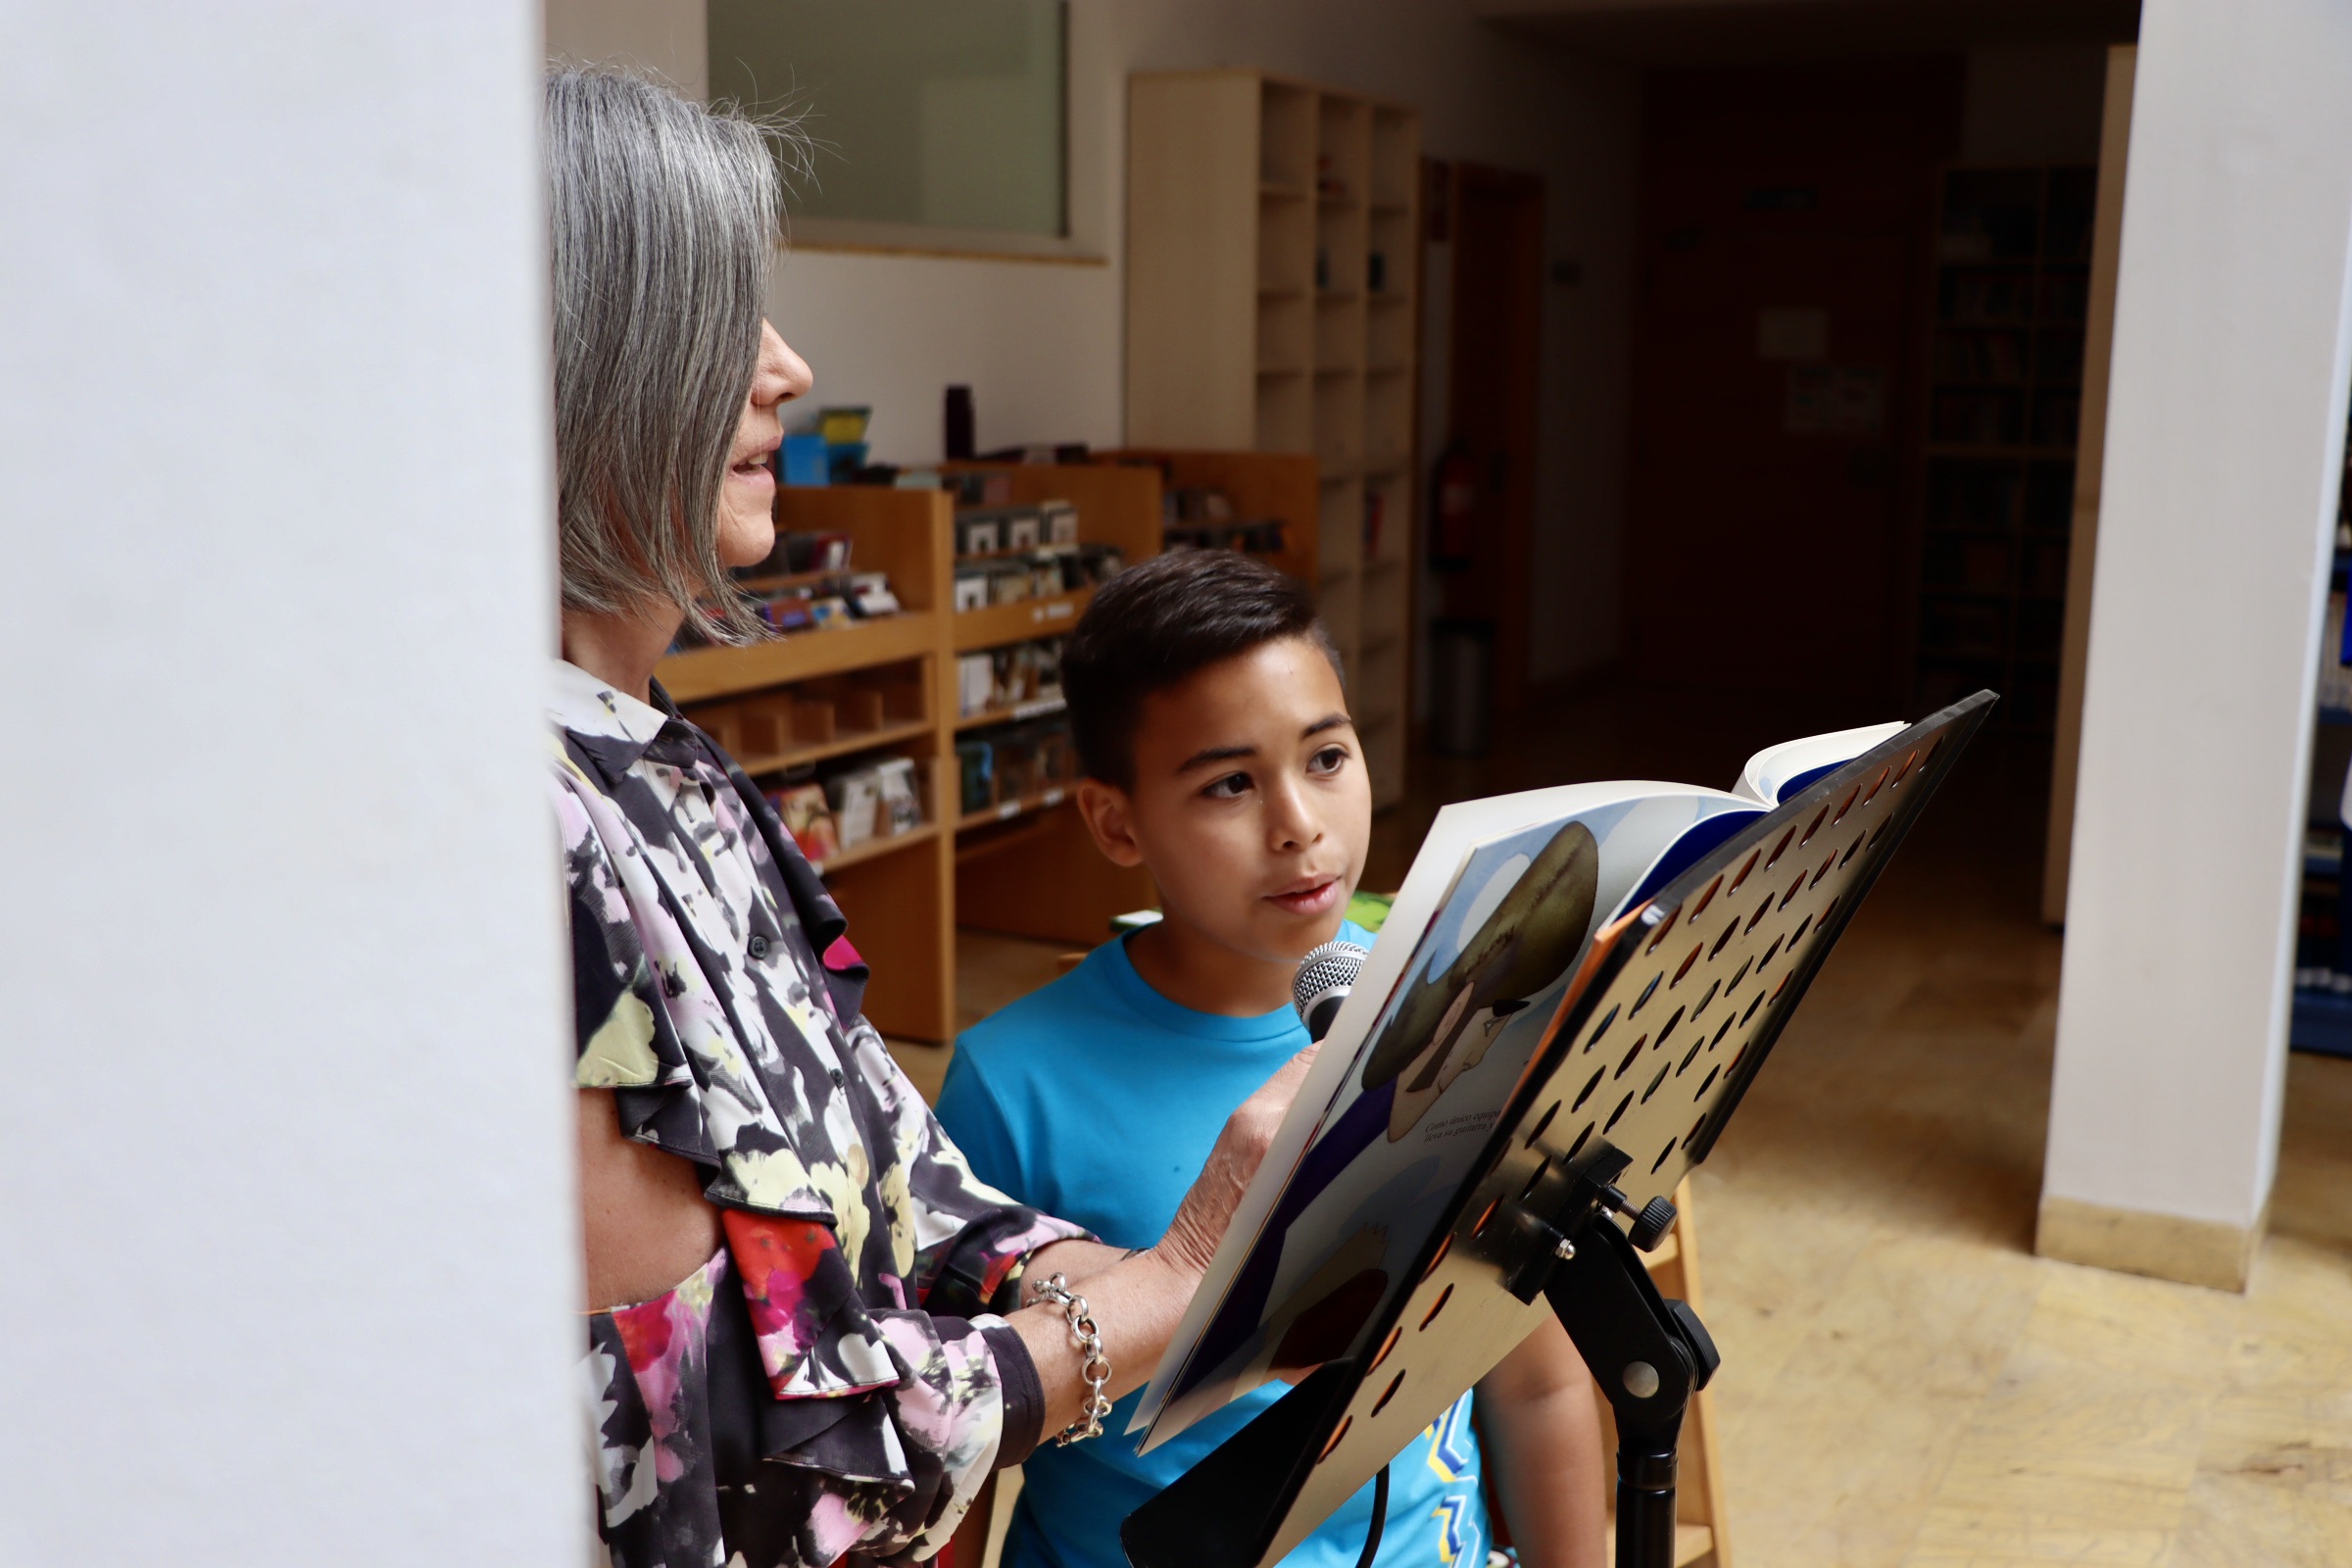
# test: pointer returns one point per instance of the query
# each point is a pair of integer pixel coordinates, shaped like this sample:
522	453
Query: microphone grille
1333	966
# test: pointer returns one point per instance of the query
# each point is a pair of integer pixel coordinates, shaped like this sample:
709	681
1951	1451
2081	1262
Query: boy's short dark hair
1159	622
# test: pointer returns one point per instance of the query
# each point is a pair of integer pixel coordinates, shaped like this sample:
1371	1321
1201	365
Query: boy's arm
1542	1429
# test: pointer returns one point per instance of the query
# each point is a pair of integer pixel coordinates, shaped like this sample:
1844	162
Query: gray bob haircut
664	220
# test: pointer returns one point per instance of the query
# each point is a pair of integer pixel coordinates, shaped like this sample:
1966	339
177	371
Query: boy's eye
1232	786
1330	759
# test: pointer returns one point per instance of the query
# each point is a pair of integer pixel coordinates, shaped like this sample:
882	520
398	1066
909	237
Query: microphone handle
1323	1010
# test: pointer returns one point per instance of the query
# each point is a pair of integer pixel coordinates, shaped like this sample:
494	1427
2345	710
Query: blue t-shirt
1096	1099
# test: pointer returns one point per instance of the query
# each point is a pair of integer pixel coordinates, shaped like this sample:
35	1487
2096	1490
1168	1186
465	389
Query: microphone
1325	977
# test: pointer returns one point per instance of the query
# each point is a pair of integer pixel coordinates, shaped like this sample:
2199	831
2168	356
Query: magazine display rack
1671	1014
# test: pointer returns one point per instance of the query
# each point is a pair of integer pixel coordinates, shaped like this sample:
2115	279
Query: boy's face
1250	805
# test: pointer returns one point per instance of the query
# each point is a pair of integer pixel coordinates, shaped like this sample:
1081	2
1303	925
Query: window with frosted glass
942	114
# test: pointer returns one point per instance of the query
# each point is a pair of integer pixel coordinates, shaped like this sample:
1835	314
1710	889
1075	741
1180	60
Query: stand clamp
1646	1354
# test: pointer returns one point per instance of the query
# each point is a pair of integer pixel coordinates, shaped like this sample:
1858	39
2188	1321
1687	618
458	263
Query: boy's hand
1207	1209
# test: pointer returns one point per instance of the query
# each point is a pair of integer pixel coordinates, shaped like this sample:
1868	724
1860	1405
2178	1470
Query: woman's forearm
1136	1304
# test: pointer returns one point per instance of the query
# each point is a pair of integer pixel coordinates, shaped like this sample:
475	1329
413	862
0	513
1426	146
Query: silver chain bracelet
1097	1368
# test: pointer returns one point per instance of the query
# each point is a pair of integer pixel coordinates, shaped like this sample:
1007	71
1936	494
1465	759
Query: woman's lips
1308	900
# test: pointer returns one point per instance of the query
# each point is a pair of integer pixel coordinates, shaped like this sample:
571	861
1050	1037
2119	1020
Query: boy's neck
1193	970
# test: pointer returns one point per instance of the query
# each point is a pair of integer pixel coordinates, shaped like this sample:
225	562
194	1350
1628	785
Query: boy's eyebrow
1234	753
1215	754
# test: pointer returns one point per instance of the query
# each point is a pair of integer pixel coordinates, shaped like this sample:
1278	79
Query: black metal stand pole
1645	1480
1648	1354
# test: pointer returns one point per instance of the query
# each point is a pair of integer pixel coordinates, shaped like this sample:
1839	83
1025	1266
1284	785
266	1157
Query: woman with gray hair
807	1342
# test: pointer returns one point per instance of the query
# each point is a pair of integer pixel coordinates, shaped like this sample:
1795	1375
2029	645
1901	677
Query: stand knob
1652	1225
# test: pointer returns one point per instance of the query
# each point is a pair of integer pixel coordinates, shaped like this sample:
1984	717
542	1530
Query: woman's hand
1207	1209
1138	1302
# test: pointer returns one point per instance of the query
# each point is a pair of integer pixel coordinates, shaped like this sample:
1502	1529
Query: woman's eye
1232	786
1330	759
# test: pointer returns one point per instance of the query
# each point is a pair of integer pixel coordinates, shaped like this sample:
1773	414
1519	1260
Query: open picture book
1454	1016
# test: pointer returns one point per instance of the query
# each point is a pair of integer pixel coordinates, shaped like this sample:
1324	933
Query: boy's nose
1292	821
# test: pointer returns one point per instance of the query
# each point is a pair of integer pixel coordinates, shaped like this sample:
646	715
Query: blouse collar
614	727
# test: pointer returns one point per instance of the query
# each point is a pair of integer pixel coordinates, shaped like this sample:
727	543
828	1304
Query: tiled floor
1903	1383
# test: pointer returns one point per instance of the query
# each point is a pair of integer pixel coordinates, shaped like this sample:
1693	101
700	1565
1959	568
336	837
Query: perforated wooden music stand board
1671	1013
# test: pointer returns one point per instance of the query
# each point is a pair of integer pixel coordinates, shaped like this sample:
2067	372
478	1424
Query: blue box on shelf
806	459
843	459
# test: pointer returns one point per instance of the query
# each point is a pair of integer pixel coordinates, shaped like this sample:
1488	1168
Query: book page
1776	773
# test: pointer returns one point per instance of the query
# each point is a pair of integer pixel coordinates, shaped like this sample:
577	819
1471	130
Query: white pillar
2225	440
288	1236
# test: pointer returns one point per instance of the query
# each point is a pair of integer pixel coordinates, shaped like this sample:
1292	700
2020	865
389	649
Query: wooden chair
1702	1536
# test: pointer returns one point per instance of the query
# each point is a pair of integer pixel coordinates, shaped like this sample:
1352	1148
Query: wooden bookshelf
2004	402
1019	621
1033	869
1272	284
898	891
707	672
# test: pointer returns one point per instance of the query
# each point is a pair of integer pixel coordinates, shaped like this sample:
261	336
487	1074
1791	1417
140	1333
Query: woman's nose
782	375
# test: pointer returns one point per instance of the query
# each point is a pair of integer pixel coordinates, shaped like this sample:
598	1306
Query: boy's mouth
1308	896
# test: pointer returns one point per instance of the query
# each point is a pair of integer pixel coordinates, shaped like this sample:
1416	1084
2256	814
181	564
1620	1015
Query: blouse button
759	946
836	1077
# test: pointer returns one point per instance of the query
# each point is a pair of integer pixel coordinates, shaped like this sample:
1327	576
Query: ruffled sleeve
848	1392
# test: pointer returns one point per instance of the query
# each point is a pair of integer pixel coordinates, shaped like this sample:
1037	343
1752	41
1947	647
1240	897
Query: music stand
1695	984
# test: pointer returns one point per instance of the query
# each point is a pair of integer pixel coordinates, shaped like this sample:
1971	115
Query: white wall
2224	434
287	1241
1041	344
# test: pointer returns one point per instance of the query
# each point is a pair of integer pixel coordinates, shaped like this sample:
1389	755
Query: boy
1215	749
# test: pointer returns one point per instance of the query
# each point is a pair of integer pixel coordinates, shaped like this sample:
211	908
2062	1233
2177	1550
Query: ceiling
1704	33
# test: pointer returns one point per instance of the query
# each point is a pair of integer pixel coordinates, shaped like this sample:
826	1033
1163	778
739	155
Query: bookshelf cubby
2004	400
1272	275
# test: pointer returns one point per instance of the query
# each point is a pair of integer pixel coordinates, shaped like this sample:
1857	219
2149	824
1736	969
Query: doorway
1495	222
1783	234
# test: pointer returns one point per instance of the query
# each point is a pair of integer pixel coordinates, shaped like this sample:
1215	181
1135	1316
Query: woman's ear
1109	817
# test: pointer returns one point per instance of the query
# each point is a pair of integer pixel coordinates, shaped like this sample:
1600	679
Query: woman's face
747	499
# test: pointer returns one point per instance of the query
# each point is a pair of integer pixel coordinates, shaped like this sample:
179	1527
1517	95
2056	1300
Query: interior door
1493	389
1766	498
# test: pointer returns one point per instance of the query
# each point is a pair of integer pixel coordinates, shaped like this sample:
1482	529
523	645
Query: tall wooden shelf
1272	279
1037	873
2004	399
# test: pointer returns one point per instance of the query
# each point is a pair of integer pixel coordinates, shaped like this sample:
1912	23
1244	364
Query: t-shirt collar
1138	994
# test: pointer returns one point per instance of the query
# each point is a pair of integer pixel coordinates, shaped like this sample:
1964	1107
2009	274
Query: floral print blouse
832	1385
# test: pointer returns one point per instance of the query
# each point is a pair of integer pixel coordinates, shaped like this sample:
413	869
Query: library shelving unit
1365	586
2004	399
2321	1019
887	687
897	892
1272	280
1029	867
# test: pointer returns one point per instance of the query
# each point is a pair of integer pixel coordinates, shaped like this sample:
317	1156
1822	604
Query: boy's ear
1109	817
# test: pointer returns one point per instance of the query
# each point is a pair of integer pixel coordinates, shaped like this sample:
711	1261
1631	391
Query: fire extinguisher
1453	509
